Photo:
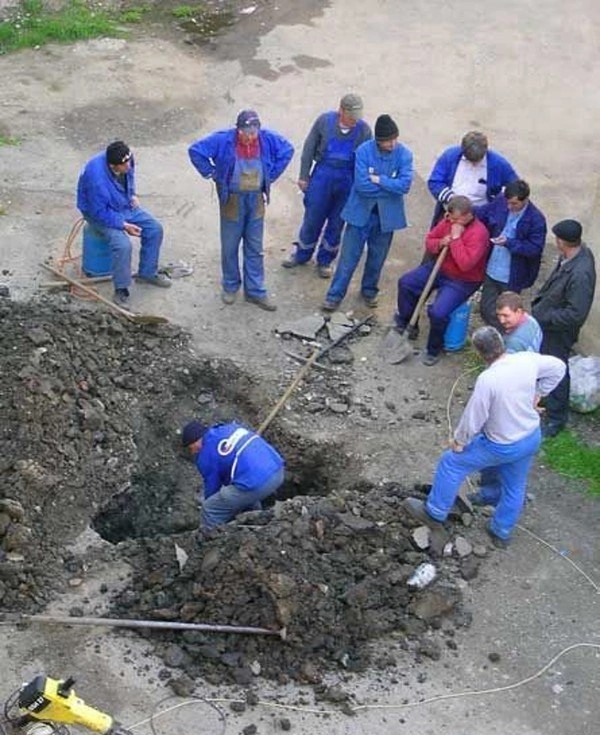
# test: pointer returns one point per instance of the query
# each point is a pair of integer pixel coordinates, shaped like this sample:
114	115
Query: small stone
480	551
75	582
421	537
494	657
462	547
337	407
255	668
183	686
285	724
237	706
250	729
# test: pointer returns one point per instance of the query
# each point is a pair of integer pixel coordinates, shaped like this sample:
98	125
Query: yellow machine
46	706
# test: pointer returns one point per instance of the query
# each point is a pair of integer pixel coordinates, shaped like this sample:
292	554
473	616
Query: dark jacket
565	300
526	248
214	157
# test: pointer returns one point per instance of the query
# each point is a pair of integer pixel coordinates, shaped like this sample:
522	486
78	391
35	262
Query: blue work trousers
451	293
242	220
120	245
353	243
324	200
506	467
229	501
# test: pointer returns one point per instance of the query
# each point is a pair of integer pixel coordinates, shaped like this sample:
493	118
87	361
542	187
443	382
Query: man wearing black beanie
383	173
106	197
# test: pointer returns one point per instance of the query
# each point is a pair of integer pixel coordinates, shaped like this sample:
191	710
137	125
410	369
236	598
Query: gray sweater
502	404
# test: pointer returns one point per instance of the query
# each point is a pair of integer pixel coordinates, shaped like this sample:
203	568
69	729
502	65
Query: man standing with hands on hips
383	174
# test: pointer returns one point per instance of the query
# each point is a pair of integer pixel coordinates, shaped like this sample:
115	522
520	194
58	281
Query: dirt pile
332	571
92	406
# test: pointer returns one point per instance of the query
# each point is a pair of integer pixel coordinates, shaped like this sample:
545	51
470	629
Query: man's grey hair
489	343
460	204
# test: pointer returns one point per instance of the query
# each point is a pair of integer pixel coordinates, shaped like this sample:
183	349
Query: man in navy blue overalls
238	467
329	152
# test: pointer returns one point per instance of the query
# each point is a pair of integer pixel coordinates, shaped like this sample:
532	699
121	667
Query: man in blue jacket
243	162
106	197
469	169
326	175
238	467
518	234
383	174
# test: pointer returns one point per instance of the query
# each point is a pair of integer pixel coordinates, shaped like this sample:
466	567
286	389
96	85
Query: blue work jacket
100	195
214	158
499	173
233	455
395	170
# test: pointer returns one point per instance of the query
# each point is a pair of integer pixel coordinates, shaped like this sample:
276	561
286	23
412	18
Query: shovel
395	347
135	318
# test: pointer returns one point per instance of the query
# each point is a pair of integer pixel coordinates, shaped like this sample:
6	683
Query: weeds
9	140
568	455
31	25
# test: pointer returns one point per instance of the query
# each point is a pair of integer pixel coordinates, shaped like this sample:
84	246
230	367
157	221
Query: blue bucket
96	260
458	326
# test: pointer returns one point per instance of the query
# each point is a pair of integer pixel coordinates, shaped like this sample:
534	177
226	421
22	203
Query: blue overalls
242	218
328	189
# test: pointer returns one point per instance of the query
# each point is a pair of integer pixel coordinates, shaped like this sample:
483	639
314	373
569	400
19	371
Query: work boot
371	301
161	280
499	543
121	298
228	297
330	305
324	271
416	508
429	359
292	261
263	302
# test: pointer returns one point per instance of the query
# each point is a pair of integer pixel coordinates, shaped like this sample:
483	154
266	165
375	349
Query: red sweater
467	255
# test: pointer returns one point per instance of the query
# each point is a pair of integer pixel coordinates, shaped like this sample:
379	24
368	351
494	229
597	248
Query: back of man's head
489	343
474	146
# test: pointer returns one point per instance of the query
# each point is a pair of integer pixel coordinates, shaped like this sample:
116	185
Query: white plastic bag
584	395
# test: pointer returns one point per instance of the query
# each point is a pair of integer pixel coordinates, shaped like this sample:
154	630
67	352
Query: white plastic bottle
423	575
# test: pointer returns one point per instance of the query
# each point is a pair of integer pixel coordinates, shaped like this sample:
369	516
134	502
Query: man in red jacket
461	274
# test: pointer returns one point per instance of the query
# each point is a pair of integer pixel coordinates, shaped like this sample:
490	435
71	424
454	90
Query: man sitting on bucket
238	467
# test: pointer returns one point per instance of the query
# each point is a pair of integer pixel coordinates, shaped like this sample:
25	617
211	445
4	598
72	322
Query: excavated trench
93	411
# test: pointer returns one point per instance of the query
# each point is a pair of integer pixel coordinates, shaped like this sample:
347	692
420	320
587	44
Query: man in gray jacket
561	307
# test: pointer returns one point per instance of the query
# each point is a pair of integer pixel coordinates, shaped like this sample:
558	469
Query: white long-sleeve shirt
502	404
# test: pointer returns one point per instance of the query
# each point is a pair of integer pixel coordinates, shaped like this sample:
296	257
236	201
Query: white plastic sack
585	383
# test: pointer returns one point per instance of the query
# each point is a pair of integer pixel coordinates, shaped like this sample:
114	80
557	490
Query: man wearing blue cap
243	162
239	469
561	307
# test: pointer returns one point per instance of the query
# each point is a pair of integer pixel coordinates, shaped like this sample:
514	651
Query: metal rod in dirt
9	618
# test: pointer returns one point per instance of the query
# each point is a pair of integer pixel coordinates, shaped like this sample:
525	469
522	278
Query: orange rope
72	260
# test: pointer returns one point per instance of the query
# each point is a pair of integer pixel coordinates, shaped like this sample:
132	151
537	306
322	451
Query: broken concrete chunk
421	537
305	328
462	547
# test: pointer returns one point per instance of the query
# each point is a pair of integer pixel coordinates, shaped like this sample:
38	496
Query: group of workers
486	233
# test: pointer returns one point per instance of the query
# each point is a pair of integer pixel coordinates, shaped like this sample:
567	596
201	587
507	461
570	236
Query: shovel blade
395	347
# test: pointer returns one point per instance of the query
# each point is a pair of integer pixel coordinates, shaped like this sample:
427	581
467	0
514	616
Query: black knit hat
568	230
117	152
386	128
191	432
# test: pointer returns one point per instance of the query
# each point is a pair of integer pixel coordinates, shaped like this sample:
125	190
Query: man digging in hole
499	432
238	467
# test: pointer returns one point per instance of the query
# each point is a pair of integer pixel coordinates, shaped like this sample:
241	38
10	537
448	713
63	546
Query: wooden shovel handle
427	290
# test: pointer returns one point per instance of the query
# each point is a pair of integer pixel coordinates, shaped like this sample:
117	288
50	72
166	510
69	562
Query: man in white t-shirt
498	430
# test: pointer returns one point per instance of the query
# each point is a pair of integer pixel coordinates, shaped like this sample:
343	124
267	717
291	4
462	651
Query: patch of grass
9	140
568	455
32	25
186	11
134	14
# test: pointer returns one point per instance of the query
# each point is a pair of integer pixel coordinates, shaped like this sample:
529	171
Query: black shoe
551	429
499	543
416	508
121	298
